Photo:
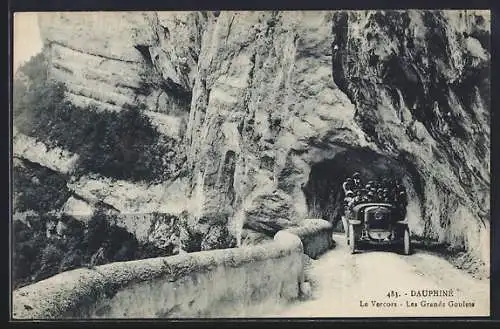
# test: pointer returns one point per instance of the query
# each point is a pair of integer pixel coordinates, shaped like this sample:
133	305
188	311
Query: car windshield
363	206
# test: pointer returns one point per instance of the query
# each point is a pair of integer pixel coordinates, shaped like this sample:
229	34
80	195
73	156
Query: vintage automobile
376	224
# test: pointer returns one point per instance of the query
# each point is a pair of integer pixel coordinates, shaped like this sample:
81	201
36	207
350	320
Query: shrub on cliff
123	145
38	188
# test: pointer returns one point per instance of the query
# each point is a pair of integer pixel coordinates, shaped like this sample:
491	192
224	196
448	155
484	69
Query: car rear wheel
352	240
406	242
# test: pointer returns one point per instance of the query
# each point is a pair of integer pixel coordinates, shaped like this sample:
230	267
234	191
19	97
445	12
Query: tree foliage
38	188
123	145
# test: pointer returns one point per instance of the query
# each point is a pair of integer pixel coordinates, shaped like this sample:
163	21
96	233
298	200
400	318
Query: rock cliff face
275	109
425	77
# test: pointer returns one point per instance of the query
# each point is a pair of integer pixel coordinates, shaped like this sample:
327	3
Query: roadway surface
346	285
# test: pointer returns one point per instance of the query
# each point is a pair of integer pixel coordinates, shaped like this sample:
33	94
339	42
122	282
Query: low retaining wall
216	283
316	236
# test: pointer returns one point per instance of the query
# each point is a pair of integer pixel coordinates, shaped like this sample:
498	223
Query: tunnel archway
324	193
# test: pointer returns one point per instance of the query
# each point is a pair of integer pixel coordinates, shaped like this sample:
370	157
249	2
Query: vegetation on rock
122	145
45	245
38	188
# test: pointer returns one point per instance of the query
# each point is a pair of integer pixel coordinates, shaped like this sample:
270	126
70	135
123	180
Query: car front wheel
406	242
352	240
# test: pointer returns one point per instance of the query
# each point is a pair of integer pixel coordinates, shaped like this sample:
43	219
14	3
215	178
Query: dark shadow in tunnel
323	191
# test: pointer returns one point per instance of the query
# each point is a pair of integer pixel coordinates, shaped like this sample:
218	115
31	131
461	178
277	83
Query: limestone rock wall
420	82
262	97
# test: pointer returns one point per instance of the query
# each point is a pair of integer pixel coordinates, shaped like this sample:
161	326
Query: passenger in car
347	185
348	202
356	178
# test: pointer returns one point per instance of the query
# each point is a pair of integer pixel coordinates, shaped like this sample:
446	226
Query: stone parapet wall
224	282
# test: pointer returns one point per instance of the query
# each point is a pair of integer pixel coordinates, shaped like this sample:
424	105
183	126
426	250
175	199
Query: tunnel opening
324	193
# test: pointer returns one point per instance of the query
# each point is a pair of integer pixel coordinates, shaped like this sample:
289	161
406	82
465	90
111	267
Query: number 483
392	294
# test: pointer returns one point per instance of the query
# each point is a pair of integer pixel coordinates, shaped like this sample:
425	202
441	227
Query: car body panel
376	224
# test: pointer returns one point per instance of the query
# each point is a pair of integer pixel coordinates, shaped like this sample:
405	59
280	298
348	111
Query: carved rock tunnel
324	193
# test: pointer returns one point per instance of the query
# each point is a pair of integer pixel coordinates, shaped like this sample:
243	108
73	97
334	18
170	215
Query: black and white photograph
250	164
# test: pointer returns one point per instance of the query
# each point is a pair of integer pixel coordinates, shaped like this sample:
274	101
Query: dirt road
345	285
